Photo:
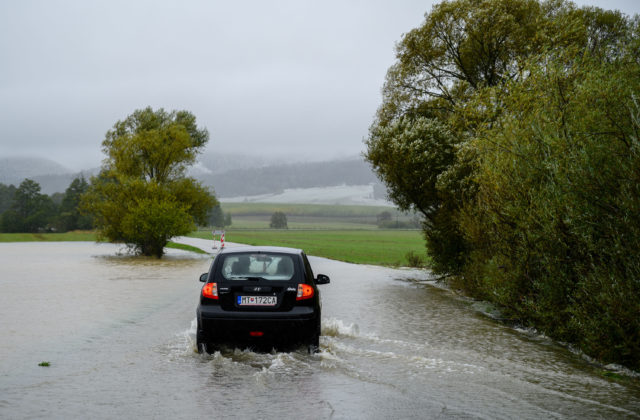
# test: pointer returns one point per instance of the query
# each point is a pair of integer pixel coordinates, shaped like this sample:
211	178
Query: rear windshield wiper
247	278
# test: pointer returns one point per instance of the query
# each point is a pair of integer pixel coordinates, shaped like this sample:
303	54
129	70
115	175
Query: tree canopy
512	127
70	216
30	210
25	209
278	221
142	196
6	197
440	84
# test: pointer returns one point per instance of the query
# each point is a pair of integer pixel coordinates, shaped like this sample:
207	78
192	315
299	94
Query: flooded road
119	333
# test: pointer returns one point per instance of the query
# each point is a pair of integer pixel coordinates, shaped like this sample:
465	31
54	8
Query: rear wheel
207	348
200	346
314	343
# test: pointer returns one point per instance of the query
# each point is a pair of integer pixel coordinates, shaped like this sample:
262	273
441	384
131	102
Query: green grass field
377	247
185	248
345	233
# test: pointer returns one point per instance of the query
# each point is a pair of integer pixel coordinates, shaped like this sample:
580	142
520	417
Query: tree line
512	127
26	209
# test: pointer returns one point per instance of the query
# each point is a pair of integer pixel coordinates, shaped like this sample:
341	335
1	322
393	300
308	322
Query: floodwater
119	331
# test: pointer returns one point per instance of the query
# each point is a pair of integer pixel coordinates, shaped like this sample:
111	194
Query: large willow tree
430	112
555	224
142	196
512	126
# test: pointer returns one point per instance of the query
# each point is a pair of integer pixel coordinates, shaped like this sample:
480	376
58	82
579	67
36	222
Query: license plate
257	300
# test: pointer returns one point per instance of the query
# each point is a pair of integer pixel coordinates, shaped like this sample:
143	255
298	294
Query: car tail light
256	333
304	292
210	290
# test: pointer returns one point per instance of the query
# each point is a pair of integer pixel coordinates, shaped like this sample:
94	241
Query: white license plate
257	300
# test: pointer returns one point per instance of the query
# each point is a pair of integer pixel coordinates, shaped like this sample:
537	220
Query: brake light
210	290
256	333
304	292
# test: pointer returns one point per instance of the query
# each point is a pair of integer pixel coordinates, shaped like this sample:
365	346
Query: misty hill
276	178
215	163
359	195
230	175
51	176
50	184
13	170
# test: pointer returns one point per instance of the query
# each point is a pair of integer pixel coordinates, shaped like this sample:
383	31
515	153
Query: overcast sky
264	77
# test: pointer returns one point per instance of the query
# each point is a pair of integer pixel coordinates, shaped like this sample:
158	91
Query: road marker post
215	233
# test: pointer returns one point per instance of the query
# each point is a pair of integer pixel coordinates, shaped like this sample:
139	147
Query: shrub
414	259
278	221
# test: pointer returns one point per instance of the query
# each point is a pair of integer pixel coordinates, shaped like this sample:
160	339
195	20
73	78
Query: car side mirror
204	277
322	279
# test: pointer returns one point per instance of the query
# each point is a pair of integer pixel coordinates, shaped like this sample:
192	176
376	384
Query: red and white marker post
215	234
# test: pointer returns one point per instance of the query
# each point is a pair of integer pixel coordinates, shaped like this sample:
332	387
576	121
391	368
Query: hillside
275	179
332	195
13	170
52	176
233	176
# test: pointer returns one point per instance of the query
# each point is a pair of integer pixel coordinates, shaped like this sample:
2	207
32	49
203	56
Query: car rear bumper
215	312
217	326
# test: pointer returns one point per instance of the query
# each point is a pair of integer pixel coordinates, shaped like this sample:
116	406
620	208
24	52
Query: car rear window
276	267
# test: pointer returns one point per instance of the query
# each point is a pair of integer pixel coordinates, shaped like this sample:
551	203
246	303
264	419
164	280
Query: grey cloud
266	77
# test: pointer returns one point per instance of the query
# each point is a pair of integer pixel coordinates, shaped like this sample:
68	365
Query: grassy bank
76	236
378	247
184	247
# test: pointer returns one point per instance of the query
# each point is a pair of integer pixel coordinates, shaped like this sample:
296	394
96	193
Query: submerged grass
185	247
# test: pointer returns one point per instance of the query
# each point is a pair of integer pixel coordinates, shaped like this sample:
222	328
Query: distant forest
26	209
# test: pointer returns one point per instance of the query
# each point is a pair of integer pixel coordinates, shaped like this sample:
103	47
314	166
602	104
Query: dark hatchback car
261	297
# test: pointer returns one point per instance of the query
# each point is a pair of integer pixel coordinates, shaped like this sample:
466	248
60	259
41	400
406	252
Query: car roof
258	249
